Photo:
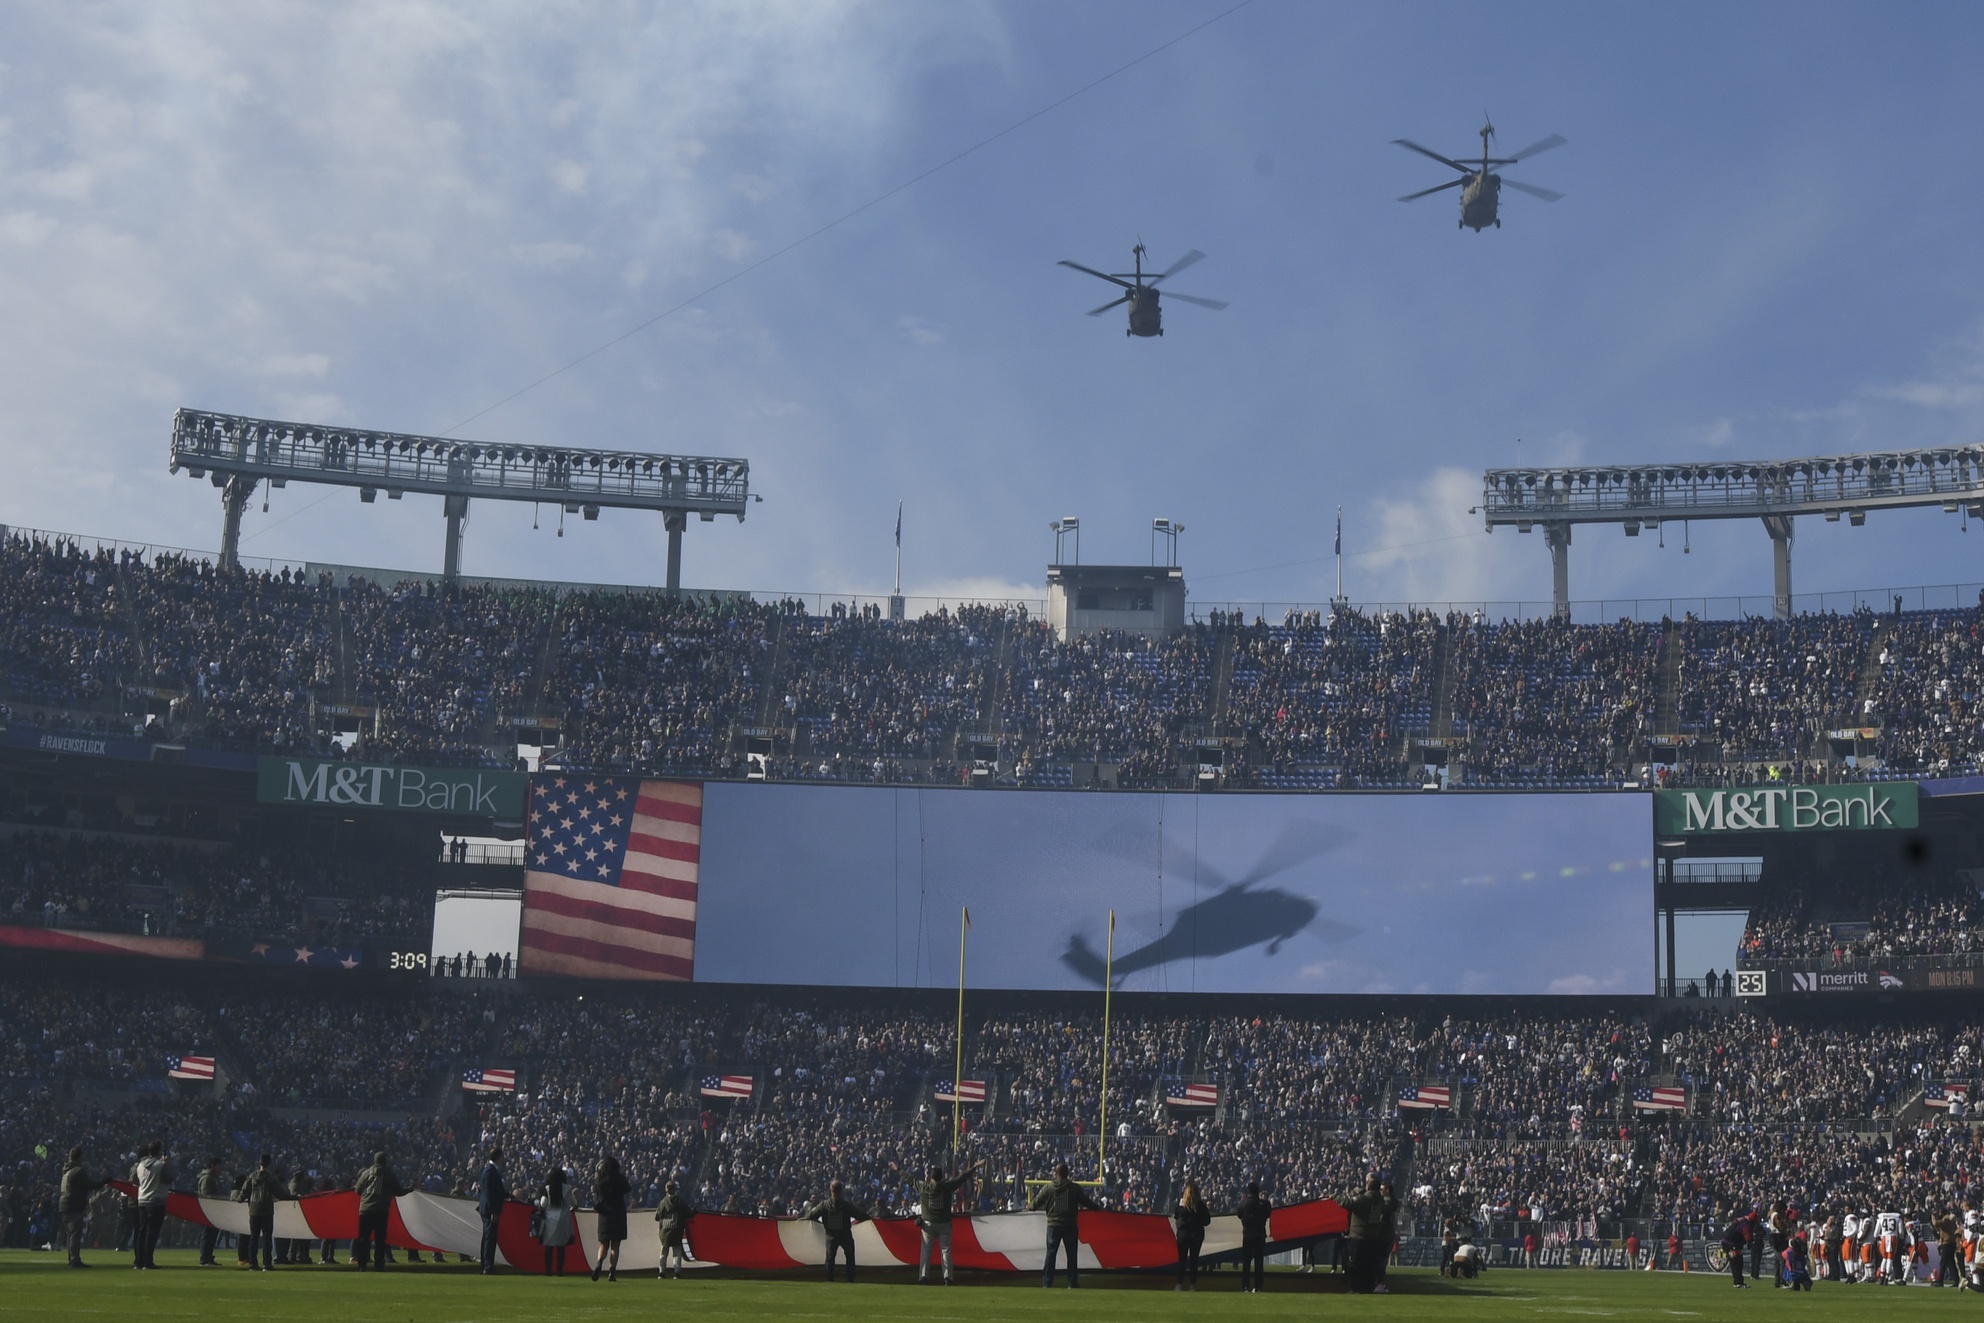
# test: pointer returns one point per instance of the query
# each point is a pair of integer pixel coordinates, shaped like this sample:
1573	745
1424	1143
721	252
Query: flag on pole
726	1086
898	525
189	1068
966	1091
483	1080
1339	530
611	866
1193	1095
1427	1096
1647	1099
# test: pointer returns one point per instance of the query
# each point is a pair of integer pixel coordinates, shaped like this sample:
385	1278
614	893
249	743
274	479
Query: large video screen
1412	893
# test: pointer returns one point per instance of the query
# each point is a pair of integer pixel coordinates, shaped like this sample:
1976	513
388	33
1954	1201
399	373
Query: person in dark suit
1253	1213
1190	1218
490	1196
837	1216
610	1189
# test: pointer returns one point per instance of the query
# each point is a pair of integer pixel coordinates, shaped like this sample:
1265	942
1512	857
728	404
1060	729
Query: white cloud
551	253
1429	548
731	245
570	176
920	331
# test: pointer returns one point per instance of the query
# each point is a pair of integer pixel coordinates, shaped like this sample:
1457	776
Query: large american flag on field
1424	1095
189	1068
1648	1099
610	867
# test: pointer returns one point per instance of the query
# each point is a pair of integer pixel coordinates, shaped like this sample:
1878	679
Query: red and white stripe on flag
1425	1095
1195	1095
1663	1099
726	1086
189	1068
487	1080
967	1091
611	874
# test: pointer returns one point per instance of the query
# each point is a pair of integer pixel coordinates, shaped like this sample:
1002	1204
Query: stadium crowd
170	646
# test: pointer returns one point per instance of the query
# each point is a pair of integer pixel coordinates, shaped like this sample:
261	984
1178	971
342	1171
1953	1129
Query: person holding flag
934	1199
1062	1200
837	1216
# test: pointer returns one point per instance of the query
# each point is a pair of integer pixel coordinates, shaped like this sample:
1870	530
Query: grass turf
40	1286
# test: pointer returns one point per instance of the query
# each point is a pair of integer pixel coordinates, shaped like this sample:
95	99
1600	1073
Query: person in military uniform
377	1187
934	1197
672	1214
837	1216
211	1183
1062	1200
73	1205
491	1193
260	1192
1372	1216
301	1183
1253	1213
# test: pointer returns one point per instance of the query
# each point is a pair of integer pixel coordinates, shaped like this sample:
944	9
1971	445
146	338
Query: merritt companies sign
1886	806
474	791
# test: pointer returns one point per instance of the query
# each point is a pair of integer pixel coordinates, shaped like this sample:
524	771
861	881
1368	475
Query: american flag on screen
489	1081
189	1068
610	869
967	1091
1424	1095
1193	1095
1660	1100
726	1086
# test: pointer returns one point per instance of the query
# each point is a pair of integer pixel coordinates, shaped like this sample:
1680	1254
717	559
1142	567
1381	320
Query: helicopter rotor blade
1214	304
1099	275
1189	259
1538	148
1097	312
1533	190
1427	151
1438	188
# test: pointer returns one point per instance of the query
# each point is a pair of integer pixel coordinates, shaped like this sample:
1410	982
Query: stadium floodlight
236	453
1775	491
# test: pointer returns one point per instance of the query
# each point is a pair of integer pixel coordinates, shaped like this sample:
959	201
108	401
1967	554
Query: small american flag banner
726	1086
189	1068
484	1080
610	874
1427	1096
967	1091
1193	1095
1660	1100
1942	1095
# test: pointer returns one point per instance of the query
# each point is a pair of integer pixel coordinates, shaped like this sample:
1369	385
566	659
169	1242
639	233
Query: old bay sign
476	792
1885	806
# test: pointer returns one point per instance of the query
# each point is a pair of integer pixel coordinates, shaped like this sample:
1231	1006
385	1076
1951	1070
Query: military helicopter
1141	292
1241	914
1481	187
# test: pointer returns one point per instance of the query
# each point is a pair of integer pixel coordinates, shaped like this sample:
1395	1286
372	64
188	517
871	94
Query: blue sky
396	215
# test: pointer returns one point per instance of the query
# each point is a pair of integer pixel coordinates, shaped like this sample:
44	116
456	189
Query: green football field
40	1286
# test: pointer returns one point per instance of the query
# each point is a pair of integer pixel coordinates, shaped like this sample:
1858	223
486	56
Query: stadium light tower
1774	491
236	453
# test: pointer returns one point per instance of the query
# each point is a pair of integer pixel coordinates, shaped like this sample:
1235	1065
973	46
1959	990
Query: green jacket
1371	1215
76	1188
1063	1201
260	1192
936	1196
377	1188
673	1214
210	1184
838	1216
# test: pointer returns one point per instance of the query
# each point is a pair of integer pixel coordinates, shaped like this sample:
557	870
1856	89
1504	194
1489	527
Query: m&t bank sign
386	786
1889	806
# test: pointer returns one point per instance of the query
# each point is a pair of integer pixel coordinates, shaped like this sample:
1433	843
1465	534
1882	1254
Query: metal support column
456	508
675	521
1557	536
1780	529
233	500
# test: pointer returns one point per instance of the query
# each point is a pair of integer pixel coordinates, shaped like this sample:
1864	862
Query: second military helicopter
1480	187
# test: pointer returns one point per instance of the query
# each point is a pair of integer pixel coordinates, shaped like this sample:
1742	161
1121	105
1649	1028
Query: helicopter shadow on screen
1241	914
